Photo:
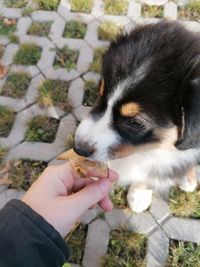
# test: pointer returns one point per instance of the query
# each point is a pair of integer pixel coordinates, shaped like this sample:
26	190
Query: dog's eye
134	125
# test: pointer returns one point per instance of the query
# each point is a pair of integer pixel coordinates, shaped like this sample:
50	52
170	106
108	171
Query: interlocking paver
157	224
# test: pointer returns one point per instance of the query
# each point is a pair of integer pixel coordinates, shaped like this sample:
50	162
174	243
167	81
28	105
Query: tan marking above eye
101	90
130	109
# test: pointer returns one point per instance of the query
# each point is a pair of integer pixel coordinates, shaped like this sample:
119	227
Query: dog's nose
83	149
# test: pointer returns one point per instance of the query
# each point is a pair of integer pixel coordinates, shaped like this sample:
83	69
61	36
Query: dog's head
149	94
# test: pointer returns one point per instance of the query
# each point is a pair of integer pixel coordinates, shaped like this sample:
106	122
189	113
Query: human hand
60	196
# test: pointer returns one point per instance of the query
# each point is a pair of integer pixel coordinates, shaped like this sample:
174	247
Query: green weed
66	58
28	54
97	61
75	29
116	7
40	28
7	117
108	31
16	85
81	5
41	129
125	249
91	93
54	93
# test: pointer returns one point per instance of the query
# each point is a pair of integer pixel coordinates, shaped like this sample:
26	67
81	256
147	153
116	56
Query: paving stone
170	11
159	209
154	2
12	13
10	51
183	229
89	216
142	223
158	249
23	25
76	93
9	194
81	112
134	10
94	251
182	2
98	8
117	218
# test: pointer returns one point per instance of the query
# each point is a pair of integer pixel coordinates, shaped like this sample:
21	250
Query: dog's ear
190	134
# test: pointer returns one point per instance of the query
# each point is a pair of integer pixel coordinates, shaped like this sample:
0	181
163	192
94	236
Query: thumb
88	196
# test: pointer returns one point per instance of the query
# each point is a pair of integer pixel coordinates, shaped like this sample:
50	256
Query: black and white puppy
148	111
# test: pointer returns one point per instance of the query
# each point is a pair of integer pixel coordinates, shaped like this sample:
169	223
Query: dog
146	121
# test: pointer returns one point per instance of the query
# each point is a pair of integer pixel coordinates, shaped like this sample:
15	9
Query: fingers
88	196
105	203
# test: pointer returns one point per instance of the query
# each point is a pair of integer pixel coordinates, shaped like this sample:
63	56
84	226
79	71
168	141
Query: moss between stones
16	85
190	11
183	254
81	5
24	172
7	26
75	29
54	93
28	54
15	3
184	204
1	50
118	197
76	240
108	31
7	117
41	129
47	4
40	28
27	11
125	249
152	11
66	58
97	61
91	93
116	7
70	141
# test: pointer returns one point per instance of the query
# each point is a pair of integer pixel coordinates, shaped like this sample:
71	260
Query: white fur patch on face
99	134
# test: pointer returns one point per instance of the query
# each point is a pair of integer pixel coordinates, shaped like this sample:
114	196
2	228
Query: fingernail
104	184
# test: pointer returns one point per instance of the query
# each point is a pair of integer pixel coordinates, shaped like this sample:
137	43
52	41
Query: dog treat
81	165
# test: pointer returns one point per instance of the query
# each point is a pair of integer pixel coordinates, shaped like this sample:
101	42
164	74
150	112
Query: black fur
170	86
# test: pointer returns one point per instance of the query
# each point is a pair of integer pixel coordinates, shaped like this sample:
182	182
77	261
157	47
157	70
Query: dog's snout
83	149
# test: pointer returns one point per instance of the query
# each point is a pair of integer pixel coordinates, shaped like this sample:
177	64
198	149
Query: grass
1	50
118	197
91	93
66	58
54	93
184	204
183	254
13	38
7	26
76	241
75	29
190	11
81	5
7	116
15	3
41	129
40	28
152	11
125	249
70	141
28	54
116	7
27	11
97	61
108	31
16	85
24	172
3	152
47	4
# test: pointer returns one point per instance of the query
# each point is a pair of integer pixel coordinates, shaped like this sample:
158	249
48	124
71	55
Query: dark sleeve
27	240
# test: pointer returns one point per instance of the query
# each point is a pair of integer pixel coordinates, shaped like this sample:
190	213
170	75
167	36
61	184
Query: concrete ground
158	224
